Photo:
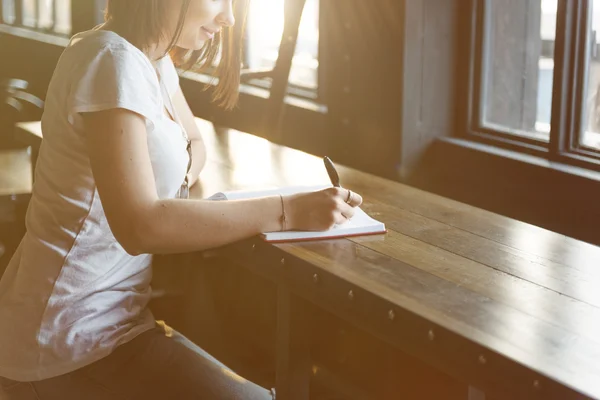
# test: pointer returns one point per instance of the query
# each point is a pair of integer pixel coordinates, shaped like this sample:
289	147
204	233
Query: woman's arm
143	223
187	119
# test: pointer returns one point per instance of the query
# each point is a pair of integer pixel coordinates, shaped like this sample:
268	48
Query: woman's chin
192	44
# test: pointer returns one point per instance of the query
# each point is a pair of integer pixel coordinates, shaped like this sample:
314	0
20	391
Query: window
265	26
518	65
535	77
45	15
264	30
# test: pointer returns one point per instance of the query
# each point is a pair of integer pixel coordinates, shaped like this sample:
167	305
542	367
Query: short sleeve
115	77
169	74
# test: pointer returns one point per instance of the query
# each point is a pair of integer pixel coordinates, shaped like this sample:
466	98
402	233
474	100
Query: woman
120	149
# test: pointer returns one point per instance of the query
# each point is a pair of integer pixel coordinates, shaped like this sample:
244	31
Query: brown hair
142	23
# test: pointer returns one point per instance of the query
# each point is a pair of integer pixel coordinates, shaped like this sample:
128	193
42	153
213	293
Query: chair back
16	105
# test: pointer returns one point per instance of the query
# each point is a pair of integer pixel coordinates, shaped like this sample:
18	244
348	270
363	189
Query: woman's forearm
174	226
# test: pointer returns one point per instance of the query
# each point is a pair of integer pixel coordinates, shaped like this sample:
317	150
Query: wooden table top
516	290
15	172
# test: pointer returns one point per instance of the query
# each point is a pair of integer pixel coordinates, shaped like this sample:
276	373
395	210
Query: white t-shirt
71	293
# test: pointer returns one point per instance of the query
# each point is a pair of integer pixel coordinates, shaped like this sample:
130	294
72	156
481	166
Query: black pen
333	175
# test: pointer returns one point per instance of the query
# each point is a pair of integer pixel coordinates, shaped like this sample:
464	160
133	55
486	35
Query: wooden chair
15	164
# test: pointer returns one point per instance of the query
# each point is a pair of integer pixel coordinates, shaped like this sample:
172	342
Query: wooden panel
359	367
31	56
293	362
363	94
438	32
85	14
428	87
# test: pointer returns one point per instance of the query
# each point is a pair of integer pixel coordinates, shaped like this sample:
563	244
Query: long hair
142	22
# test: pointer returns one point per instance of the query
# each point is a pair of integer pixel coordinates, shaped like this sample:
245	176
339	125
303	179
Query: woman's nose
226	17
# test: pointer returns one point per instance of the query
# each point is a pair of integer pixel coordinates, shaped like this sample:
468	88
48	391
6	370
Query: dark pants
158	364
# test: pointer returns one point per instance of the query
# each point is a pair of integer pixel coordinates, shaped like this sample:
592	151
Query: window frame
580	78
568	89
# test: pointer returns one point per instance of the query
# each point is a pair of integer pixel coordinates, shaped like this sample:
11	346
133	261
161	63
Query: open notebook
360	224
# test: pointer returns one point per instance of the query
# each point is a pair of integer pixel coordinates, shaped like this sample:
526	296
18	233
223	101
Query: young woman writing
120	150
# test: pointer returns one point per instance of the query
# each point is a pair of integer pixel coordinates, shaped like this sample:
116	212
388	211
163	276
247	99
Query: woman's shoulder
99	38
101	70
87	47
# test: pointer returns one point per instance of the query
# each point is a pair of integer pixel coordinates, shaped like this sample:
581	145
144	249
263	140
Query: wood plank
534	240
572	282
293	361
549	306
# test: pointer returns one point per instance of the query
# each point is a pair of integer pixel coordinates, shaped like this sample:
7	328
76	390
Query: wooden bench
509	308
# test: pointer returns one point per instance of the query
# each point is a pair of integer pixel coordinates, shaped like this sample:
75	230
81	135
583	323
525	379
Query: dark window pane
591	133
518	66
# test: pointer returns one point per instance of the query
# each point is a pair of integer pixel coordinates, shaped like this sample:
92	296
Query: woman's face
203	20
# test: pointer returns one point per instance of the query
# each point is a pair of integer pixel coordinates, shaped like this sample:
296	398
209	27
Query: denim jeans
158	364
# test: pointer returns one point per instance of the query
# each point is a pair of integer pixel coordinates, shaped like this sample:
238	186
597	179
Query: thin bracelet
283	216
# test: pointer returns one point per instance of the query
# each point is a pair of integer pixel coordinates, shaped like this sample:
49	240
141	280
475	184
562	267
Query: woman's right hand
319	211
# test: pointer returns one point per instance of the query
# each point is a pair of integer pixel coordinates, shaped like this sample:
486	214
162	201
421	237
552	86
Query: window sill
26	33
522	159
553	195
258	92
530	188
